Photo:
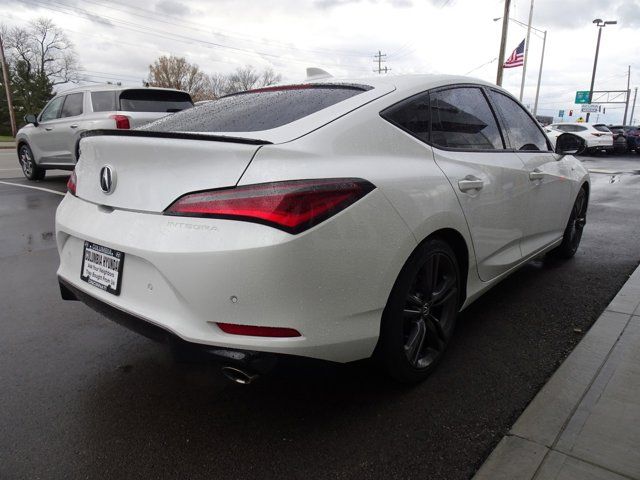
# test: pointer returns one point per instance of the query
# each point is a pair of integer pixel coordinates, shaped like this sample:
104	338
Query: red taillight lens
256	331
71	183
122	122
292	206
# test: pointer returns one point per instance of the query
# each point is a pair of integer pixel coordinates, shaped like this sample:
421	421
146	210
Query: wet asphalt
81	397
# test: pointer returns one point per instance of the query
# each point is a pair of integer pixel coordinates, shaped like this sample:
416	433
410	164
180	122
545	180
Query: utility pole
503	41
526	51
7	88
379	58
535	104
600	24
633	109
626	105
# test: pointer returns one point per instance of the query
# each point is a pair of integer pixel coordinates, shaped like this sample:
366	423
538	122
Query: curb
541	442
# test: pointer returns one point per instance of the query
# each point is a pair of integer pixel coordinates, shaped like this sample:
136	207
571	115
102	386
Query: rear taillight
122	122
257	331
71	183
292	206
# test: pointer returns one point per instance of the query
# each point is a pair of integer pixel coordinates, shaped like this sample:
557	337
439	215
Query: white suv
49	140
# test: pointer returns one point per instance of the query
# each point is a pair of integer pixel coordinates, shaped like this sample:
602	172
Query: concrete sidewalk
7	145
585	422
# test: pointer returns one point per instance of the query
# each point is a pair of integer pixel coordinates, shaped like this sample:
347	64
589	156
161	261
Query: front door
548	175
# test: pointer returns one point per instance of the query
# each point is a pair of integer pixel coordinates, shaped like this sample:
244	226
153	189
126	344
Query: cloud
629	14
173	7
326	4
572	14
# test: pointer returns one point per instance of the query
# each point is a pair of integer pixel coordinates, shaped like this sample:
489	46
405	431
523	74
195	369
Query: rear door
547	180
490	181
68	126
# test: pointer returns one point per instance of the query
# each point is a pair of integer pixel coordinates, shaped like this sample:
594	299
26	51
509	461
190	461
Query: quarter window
72	105
462	119
52	111
411	115
521	129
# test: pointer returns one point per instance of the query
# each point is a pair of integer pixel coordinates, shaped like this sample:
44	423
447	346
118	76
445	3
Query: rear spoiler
182	135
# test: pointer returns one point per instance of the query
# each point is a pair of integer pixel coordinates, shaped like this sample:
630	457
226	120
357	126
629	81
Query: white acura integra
334	219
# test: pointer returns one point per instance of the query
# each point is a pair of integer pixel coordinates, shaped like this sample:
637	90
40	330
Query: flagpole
526	51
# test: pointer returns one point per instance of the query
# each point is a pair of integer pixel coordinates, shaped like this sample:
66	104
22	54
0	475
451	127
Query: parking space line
31	186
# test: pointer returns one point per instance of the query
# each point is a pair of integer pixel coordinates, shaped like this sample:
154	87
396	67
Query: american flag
517	57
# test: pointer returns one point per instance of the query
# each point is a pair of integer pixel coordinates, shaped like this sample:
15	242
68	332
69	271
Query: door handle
470	183
536	175
48	129
73	126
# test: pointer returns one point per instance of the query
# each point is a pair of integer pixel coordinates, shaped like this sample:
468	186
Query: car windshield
150	100
257	110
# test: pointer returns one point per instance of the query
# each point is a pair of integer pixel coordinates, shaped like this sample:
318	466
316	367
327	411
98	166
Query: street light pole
503	41
535	104
600	24
633	108
526	51
626	105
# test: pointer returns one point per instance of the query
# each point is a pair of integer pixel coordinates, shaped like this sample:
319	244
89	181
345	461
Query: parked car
631	135
619	139
597	140
335	219
48	141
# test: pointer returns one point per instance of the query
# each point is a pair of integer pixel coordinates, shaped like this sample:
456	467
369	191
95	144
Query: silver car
48	141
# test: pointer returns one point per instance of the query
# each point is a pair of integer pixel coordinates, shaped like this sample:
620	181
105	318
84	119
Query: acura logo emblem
107	179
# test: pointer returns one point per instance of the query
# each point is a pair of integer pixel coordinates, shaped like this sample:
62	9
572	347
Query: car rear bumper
185	275
259	362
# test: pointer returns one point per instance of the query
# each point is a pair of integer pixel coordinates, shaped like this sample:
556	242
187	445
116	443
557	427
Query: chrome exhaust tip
238	375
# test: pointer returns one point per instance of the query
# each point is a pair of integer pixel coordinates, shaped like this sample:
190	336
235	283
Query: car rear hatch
145	105
149	170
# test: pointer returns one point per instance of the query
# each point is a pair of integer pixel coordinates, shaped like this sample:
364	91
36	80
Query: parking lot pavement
84	398
10	169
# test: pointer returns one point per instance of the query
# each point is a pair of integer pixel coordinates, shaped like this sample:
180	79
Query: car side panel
397	164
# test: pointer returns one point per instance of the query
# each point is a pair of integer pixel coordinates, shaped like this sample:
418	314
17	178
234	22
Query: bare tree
218	85
44	50
176	72
247	78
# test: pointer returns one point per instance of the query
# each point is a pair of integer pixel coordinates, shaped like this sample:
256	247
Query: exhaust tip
238	375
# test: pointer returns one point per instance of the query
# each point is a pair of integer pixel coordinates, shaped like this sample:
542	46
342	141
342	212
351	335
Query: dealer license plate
102	267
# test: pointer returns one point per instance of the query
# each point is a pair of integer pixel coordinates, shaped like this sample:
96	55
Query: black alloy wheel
421	313
574	228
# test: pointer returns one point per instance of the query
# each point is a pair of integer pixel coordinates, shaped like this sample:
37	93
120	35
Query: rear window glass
147	100
257	110
601	128
104	101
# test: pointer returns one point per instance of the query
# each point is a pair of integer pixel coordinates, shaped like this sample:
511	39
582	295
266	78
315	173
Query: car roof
112	86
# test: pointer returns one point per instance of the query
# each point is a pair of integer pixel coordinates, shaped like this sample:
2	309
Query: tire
573	230
420	315
29	167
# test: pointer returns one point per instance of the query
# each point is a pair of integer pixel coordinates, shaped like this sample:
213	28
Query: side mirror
570	144
31	118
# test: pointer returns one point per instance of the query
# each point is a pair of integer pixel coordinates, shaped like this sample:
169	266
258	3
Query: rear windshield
146	100
601	128
257	110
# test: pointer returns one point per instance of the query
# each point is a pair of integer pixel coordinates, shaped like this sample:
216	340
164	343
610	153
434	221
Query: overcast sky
117	39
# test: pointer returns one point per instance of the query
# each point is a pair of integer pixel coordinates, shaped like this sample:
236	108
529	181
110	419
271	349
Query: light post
544	43
600	24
